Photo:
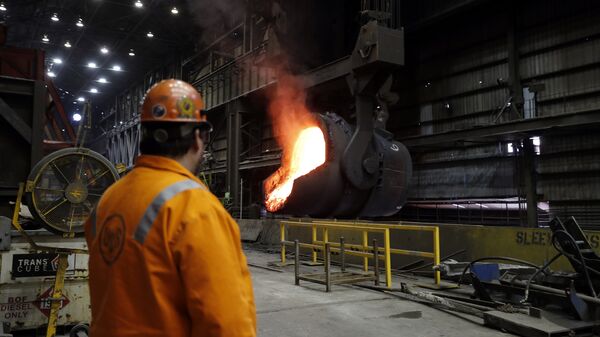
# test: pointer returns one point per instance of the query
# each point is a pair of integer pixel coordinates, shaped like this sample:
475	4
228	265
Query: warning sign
44	301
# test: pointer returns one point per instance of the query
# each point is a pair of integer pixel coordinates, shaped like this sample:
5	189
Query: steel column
529	181
233	150
37	122
516	87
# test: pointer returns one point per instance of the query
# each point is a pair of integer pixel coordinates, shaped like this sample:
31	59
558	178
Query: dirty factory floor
284	309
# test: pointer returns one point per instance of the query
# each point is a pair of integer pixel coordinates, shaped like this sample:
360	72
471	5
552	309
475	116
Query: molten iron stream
308	154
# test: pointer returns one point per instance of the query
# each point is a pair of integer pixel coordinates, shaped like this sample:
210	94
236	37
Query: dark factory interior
373	168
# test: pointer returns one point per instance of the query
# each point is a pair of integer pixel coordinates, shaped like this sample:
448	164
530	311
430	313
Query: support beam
233	149
516	88
504	130
13	119
37	121
528	177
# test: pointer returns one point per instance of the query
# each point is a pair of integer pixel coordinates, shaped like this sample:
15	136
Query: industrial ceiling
95	49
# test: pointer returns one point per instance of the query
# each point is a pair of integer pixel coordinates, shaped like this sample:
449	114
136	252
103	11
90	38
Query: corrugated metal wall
461	80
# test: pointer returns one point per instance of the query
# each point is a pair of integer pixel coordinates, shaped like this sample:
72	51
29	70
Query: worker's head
172	121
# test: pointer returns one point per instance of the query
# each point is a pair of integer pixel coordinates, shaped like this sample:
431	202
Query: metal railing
435	231
363	249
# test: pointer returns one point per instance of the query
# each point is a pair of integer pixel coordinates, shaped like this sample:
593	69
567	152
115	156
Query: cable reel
64	187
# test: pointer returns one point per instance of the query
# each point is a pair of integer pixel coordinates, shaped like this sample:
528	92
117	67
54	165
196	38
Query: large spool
64	187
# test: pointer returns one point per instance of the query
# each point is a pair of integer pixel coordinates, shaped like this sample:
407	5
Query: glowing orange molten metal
307	154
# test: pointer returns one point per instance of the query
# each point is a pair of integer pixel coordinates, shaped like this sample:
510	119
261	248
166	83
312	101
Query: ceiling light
116	68
76	117
51	74
45	38
54	17
131	53
68	44
104	50
2	7
79	23
174	11
57	60
102	80
138	4
150	35
92	65
94	90
81	99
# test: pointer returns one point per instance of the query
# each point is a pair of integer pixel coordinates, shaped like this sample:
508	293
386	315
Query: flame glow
308	153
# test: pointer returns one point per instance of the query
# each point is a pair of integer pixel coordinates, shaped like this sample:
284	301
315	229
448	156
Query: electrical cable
500	258
537	273
580	259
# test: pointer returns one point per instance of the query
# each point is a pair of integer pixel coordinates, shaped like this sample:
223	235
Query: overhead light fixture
94	90
79	23
45	38
174	11
116	68
102	80
138	4
81	99
55	17
51	74
131	52
150	35
67	44
92	65
104	50
76	117
57	60
2	7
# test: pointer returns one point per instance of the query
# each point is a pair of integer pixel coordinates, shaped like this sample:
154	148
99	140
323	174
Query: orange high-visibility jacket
166	259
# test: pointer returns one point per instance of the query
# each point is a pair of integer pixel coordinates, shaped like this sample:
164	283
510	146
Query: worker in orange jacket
165	256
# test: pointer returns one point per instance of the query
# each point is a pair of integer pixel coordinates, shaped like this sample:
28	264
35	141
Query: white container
24	291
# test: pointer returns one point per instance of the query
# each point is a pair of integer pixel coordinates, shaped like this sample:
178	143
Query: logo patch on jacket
112	238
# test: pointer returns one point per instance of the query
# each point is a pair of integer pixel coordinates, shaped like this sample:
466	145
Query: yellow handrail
435	255
325	227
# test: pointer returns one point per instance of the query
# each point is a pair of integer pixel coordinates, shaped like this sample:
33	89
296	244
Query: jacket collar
164	164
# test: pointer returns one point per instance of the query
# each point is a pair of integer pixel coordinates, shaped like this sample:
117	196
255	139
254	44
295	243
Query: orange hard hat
172	101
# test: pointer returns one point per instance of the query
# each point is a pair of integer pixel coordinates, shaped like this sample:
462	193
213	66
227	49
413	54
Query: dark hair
166	139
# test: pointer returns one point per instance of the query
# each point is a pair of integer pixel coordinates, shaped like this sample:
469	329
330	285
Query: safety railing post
342	254
297	262
327	267
436	254
325	238
282	238
365	242
314	238
376	262
388	259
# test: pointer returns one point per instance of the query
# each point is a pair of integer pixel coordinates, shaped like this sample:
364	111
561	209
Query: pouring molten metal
307	154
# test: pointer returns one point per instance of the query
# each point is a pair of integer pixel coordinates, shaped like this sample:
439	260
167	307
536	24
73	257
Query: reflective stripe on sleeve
152	211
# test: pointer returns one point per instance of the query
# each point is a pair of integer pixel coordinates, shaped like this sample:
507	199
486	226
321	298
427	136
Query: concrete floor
284	309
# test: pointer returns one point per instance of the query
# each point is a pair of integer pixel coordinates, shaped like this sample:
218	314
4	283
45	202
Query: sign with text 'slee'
30	265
